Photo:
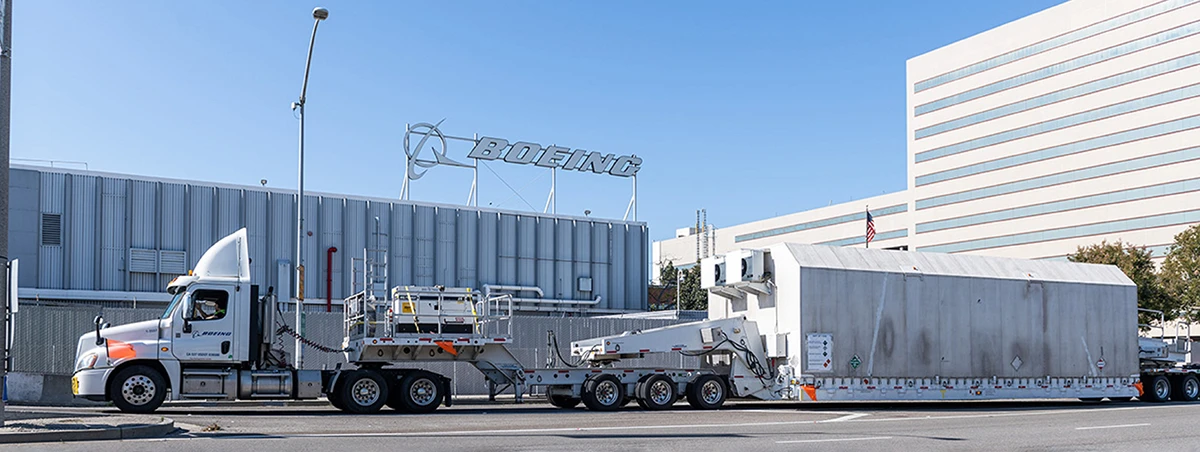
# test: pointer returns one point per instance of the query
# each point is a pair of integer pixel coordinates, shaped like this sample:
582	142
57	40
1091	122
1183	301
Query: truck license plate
75	385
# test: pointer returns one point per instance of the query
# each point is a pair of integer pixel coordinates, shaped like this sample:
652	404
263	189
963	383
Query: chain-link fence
46	337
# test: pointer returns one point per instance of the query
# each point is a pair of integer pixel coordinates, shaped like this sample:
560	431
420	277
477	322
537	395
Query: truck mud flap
446	392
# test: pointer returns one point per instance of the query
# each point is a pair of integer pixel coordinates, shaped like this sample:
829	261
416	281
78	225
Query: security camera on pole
319	14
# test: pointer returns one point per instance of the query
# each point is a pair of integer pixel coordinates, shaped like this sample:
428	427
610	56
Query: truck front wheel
137	389
1187	389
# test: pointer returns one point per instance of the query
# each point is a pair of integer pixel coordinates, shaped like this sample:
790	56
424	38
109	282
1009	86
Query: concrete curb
162	428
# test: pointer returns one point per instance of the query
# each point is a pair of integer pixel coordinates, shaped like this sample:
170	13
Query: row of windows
899	233
1090	144
1055	42
1110	111
1055	69
1133	194
858	216
1123	78
1132	224
1107	169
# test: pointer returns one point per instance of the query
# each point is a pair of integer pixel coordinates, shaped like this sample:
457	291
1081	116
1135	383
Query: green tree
1138	266
667	275
692	296
1180	272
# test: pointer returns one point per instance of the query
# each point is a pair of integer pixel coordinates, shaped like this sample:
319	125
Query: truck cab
209	343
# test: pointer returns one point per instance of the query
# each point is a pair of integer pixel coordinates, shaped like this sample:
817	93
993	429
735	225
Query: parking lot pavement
1062	425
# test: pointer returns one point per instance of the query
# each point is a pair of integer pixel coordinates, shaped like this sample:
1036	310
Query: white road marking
848	417
1111	426
832	440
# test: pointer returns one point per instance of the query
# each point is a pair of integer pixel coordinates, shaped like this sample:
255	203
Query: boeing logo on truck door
524	153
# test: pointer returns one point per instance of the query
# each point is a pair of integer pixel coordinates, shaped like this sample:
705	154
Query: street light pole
5	98
319	14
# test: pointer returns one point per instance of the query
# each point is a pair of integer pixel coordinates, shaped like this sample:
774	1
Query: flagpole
867	238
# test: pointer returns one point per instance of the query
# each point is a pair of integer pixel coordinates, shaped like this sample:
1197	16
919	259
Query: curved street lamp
319	14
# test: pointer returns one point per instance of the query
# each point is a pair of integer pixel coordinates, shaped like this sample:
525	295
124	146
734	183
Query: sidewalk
31	425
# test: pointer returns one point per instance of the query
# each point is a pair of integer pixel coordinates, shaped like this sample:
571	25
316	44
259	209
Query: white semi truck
796	322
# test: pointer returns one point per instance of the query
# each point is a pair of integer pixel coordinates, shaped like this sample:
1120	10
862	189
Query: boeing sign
524	153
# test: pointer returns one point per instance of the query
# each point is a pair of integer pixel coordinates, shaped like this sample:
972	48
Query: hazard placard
819	352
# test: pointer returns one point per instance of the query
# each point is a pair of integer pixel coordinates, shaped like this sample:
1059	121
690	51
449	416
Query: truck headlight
87	362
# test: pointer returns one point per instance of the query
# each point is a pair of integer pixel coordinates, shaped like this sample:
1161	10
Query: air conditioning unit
712	272
744	266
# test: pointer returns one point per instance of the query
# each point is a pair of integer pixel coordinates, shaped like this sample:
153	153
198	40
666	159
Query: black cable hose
557	351
303	340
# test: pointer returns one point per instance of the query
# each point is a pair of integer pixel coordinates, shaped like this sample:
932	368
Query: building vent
143	260
52	229
172	262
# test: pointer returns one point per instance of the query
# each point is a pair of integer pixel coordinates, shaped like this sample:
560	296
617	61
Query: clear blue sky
748	110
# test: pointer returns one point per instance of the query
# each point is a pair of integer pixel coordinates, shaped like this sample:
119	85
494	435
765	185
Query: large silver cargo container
881	324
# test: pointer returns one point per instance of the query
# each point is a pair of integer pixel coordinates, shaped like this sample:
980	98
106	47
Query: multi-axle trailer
797	323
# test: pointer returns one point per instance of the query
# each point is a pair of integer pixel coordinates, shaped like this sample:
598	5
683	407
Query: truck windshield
174	302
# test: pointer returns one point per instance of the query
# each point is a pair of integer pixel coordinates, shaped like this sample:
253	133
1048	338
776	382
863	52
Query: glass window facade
1055	69
1109	227
899	233
1057	41
1134	194
1061	95
1141	133
859	216
1167	158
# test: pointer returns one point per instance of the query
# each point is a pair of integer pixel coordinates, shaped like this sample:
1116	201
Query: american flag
870	228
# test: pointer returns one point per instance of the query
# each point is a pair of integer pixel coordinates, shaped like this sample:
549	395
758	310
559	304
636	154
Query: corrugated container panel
379	225
114	247
79	237
634	244
200	222
601	276
526	249
424	240
401	266
545	256
143	218
311	251
50	257
507	251
358	230
564	255
282	238
640	276
619	270
582	261
334	229
467	247
444	256
229	211
487	255
172	223
258	215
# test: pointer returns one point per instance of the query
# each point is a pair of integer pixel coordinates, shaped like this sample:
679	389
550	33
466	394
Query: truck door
204	328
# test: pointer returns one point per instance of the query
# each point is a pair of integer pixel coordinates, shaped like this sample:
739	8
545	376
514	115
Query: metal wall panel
635	266
424	237
444	256
311	246
228	211
564	254
601	268
24	223
508	258
257	214
282	240
51	258
379	224
526	249
173	224
582	263
333	229
200	221
544	256
619	269
358	234
402	270
114	246
467	247
487	246
79	234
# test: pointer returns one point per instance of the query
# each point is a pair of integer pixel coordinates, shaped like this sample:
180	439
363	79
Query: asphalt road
1067	425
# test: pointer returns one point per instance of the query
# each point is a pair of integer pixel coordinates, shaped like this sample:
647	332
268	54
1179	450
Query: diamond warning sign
819	348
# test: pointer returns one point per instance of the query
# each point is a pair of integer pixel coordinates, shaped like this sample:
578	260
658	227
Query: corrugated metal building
85	235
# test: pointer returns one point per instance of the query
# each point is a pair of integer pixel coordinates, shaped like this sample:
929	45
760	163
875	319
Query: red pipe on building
329	278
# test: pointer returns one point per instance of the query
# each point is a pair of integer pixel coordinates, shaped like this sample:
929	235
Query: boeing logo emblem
521	153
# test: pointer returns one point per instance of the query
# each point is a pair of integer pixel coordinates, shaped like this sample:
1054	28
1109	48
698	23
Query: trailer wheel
137	389
1186	389
707	392
363	391
421	392
656	392
564	401
1158	390
603	393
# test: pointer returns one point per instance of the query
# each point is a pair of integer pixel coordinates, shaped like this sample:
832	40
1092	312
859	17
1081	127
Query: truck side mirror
99	320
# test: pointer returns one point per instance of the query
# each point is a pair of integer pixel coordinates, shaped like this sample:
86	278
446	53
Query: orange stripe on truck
120	350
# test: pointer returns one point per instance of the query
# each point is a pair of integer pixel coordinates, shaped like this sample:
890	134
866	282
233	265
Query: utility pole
5	115
319	14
